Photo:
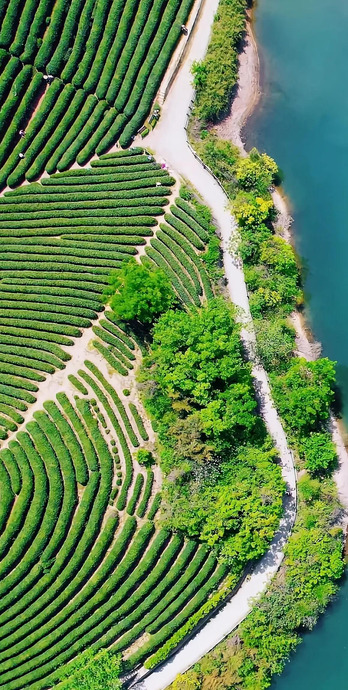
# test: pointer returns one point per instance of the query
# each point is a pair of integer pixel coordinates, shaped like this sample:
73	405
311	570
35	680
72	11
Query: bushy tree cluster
256	172
304	394
307	581
223	484
139	292
200	374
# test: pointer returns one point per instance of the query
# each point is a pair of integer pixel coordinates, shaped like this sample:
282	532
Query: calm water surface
302	122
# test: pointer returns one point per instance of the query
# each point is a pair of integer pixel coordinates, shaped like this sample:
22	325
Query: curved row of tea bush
59	241
175	249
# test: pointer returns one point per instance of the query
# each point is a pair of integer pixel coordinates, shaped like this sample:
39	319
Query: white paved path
169	142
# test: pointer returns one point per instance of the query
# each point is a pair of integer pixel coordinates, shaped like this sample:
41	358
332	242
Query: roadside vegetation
304	395
223	484
216	75
91	672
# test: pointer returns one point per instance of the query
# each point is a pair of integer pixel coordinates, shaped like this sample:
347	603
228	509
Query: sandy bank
248	91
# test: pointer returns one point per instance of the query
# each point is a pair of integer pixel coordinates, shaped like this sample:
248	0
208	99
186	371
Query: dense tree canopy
319	452
251	210
199	371
275	343
223	484
236	506
256	172
139	291
304	394
215	76
273	281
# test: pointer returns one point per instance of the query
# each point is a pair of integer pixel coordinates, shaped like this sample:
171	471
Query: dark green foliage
319	453
200	394
198	376
275	343
304	394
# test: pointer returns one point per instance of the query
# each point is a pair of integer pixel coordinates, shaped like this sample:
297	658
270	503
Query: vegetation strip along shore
300	592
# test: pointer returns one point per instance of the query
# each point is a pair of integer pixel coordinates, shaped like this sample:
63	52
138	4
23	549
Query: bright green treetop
256	172
304	394
139	291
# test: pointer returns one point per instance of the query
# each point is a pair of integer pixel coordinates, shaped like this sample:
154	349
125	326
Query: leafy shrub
145	457
319	453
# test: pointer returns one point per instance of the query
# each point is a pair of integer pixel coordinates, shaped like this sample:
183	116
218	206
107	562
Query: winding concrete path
169	142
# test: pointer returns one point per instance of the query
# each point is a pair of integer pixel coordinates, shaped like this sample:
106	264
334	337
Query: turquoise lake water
302	121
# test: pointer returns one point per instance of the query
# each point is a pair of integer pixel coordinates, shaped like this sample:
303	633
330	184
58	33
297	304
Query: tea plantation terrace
60	239
78	76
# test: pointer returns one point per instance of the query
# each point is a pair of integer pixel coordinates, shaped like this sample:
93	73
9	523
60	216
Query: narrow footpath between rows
169	142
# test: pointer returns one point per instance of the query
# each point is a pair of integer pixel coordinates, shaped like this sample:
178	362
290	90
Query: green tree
251	210
197	353
308	488
256	172
236	507
145	457
319	452
218	488
252	241
198	368
310	561
138	291
275	343
278	255
304	394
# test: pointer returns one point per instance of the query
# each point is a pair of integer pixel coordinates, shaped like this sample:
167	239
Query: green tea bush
146	494
136	494
139	422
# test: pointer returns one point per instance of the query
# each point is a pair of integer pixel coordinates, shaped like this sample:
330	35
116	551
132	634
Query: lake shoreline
247	97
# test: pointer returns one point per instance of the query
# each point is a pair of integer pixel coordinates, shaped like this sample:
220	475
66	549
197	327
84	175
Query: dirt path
169	141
